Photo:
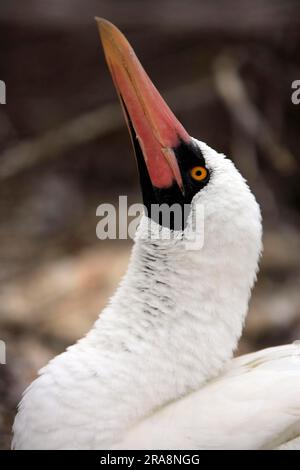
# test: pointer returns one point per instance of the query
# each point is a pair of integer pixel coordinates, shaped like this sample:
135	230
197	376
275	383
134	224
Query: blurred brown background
225	67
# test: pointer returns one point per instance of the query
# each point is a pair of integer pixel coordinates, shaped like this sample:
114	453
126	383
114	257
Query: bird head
175	169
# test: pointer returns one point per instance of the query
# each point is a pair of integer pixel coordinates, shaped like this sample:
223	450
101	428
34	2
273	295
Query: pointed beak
149	118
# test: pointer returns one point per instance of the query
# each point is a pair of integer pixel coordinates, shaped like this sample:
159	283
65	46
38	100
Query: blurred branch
246	115
52	143
90	126
244	153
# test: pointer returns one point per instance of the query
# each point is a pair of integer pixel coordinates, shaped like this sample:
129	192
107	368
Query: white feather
253	404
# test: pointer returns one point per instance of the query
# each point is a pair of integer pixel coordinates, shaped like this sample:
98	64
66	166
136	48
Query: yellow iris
199	173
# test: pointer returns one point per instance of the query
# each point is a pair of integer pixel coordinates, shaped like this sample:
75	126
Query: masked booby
156	369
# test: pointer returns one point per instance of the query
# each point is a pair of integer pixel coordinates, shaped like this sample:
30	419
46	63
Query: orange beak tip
102	22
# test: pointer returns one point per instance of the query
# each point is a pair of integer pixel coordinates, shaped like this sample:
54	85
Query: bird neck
172	324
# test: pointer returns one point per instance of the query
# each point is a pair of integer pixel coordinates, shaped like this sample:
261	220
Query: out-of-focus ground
226	68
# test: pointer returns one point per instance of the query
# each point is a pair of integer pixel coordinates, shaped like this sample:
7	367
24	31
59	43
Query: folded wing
254	404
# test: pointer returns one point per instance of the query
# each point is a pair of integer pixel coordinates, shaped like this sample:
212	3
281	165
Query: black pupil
198	173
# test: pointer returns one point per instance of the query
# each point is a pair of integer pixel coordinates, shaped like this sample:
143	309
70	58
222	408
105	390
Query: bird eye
199	173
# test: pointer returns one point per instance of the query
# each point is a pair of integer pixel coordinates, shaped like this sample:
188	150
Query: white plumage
253	404
156	370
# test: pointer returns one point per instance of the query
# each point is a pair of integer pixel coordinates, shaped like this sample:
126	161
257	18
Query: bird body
156	369
252	404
